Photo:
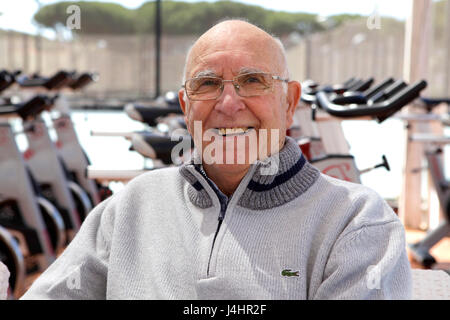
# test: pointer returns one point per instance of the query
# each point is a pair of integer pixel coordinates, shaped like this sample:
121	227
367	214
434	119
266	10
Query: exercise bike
12	258
165	130
33	221
322	109
74	157
59	182
420	251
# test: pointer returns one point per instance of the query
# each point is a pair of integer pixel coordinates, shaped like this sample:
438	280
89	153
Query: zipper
223	208
223	199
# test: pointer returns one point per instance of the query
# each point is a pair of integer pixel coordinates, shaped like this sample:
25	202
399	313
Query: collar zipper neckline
224	201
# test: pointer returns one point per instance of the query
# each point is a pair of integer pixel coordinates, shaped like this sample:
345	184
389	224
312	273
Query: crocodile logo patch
289	273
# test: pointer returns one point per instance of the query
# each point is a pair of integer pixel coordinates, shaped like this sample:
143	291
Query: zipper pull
223	208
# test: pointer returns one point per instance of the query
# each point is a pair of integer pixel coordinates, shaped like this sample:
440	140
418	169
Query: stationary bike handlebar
82	80
310	88
57	81
369	93
380	110
361	85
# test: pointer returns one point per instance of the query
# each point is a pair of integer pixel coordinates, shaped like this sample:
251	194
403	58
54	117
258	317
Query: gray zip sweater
295	234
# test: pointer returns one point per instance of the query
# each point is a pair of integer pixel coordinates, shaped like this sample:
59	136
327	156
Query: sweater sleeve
369	262
80	272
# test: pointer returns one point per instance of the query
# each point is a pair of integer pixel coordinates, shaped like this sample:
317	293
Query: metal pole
417	35
447	49
38	43
158	48
308	55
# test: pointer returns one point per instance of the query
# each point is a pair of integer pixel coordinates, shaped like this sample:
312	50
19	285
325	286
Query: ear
293	97
183	103
181	94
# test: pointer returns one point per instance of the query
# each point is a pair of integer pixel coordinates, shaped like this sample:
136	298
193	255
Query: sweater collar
267	184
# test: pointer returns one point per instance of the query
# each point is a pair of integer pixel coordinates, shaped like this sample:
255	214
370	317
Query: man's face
264	118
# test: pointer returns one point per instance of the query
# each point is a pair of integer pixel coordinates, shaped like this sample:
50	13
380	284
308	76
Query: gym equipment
19	207
32	230
164	119
420	250
65	187
43	160
46	164
7	79
150	114
57	81
74	158
323	140
12	258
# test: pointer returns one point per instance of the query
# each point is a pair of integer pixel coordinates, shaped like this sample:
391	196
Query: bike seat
149	114
171	98
430	103
155	146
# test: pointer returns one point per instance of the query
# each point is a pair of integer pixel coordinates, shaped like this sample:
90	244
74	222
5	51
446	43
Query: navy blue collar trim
280	179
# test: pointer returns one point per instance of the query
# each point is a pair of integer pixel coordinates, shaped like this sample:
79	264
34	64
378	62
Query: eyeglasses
246	85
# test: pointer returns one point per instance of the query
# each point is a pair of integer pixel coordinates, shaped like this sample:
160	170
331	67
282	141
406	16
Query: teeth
231	131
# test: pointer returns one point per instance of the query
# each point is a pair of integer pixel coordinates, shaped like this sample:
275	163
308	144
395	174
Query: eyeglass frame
235	85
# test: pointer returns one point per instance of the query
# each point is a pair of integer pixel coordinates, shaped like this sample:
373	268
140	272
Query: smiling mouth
236	131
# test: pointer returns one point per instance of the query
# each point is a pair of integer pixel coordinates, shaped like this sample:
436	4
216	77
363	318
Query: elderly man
270	226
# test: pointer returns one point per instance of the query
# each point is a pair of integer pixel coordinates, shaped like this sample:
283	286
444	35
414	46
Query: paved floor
441	251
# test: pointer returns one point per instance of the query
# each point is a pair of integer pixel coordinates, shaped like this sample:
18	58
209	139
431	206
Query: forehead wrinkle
237	36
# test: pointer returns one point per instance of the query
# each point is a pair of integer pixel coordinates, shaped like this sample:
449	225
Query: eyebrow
205	73
211	73
249	70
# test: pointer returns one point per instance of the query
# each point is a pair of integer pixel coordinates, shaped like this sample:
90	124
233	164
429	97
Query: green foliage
340	18
96	17
178	17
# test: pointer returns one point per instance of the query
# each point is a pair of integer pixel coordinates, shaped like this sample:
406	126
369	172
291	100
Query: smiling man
235	89
229	229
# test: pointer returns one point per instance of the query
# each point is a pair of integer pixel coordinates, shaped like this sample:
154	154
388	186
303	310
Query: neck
226	178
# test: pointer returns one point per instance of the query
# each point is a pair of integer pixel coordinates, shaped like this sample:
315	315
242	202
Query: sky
17	14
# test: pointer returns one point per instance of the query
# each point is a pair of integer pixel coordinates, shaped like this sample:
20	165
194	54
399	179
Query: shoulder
149	187
163	179
359	205
348	192
153	176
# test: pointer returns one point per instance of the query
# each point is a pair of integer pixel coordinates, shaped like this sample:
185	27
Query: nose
229	102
